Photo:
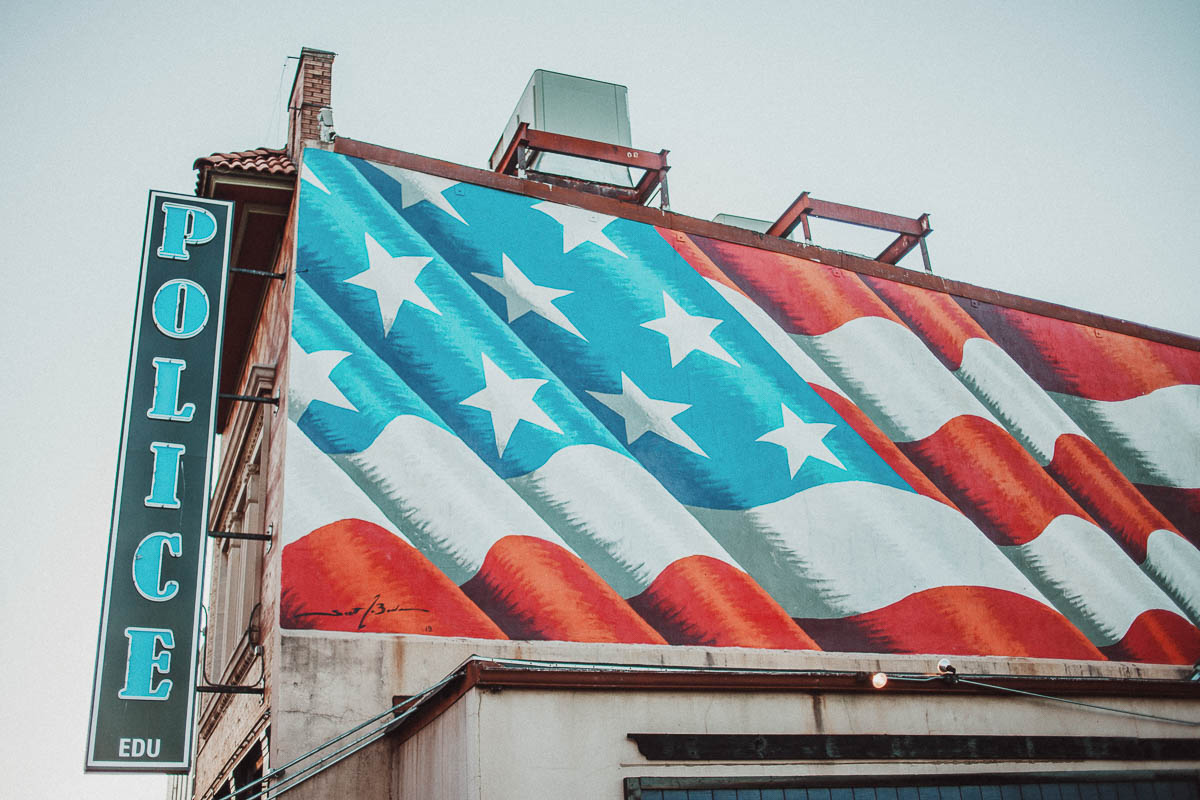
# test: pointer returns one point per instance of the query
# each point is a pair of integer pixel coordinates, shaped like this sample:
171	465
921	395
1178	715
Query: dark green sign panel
142	699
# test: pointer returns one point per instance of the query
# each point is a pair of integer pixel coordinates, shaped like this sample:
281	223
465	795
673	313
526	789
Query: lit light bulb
879	680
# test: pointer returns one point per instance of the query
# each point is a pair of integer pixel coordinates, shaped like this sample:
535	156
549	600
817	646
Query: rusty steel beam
898	249
911	230
562	144
625	194
805	205
864	217
548	142
797	212
508	162
653	165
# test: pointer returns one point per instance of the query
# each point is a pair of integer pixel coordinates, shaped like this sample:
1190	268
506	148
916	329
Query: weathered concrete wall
329	682
442	761
574	744
515	743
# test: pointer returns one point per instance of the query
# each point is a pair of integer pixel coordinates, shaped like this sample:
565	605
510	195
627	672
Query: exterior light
879	680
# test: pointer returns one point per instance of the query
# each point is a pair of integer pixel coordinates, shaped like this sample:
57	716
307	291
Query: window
237	563
992	787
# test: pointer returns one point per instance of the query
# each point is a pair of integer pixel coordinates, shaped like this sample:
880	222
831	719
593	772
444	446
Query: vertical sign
146	659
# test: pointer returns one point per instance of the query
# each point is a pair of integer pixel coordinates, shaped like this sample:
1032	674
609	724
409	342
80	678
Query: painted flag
631	357
1137	399
943	428
420	330
1051	437
425	482
350	569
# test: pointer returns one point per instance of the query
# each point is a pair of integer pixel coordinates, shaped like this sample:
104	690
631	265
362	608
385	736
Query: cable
412	702
272	118
1109	709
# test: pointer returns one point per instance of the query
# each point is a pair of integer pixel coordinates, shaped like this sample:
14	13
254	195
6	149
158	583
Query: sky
1053	145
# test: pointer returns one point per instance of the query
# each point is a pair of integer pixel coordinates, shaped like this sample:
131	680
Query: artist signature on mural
372	609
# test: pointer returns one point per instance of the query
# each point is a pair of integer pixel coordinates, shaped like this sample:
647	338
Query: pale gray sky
1054	145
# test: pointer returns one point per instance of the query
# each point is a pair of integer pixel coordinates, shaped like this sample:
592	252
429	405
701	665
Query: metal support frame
259	272
250	398
253	634
527	141
256	537
912	232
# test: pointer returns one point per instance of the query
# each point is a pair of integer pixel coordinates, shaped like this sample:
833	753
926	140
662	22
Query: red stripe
535	589
803	296
1158	637
853	415
355	576
1084	471
1070	358
697	258
702	601
988	475
1181	506
934	316
1079	466
881	444
958	620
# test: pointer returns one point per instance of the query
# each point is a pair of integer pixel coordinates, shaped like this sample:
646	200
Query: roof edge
699	227
480	672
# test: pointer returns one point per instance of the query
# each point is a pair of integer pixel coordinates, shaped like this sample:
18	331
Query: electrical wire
279	772
1109	709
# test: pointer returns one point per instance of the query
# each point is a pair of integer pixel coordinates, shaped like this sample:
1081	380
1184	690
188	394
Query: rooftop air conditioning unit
573	106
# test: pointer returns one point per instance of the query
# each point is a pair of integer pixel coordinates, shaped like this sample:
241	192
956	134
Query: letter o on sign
180	308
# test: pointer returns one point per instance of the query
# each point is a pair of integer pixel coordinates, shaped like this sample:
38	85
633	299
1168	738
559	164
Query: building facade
550	493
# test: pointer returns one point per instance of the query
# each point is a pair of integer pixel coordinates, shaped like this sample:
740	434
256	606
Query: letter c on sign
147	566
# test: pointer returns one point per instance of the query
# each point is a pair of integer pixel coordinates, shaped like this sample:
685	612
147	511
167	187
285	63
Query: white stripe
317	492
1089	578
891	375
307	175
436	490
1153	439
619	519
840	549
800	361
1015	398
1174	563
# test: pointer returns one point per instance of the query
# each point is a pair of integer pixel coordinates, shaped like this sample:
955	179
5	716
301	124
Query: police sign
142	698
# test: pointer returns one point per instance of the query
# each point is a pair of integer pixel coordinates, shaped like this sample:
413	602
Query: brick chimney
310	93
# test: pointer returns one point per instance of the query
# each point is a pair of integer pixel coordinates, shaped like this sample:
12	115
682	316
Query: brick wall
311	91
237	719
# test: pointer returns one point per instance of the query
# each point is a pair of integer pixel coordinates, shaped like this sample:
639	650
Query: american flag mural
511	418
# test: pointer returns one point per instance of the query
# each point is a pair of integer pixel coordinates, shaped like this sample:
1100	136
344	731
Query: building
551	493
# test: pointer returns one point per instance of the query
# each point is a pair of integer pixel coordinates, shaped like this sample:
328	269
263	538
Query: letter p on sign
185	225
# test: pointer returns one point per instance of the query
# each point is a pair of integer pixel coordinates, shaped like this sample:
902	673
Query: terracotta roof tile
262	160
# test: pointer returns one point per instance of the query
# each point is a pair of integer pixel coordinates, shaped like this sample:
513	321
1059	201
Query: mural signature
373	608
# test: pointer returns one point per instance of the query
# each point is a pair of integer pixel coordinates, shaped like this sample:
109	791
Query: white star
509	400
393	279
686	333
802	440
309	379
417	186
644	414
522	295
580	225
308	175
